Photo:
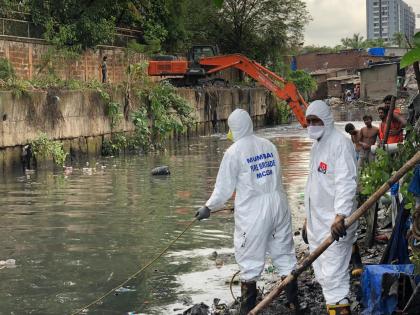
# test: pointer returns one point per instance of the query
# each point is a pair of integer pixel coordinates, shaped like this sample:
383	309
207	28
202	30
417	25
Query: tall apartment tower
386	17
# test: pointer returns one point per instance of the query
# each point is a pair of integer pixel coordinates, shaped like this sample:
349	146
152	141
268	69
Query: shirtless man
355	137
367	138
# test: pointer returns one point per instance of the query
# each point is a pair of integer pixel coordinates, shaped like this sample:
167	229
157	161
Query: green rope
134	275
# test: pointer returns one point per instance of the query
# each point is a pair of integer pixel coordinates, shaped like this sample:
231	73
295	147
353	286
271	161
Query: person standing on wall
251	167
104	69
330	197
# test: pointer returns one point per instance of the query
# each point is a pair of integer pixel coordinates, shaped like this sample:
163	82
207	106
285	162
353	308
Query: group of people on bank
370	135
262	215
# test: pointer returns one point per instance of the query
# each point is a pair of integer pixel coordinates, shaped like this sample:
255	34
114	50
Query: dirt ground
311	299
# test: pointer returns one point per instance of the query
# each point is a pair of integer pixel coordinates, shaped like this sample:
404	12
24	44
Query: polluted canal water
74	235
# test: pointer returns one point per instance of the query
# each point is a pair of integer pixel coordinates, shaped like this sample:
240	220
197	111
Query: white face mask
315	132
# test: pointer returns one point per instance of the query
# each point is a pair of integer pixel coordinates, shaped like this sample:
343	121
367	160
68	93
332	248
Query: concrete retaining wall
79	120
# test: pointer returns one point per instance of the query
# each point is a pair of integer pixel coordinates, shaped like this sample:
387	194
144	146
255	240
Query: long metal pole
306	262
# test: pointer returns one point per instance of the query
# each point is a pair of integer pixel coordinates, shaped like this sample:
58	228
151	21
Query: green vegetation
112	108
260	29
355	42
283	112
6	70
115	144
413	55
358	42
46	149
398	39
158	111
303	81
379	171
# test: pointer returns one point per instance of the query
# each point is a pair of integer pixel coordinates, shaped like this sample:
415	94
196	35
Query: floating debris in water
87	170
161	170
124	290
9	263
198	309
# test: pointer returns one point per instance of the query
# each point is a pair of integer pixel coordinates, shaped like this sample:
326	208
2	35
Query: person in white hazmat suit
251	166
330	197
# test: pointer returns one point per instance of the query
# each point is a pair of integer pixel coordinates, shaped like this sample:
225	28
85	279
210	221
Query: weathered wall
348	59
78	118
26	57
379	81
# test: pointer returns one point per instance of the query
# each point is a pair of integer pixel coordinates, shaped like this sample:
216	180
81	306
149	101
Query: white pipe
391	148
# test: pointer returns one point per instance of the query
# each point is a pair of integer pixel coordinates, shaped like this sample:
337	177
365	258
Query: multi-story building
386	17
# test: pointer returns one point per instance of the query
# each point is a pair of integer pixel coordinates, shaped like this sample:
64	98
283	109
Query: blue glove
202	213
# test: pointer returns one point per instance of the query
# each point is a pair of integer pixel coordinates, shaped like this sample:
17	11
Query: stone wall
79	120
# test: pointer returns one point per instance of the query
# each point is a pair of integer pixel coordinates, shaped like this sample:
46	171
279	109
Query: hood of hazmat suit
330	190
251	167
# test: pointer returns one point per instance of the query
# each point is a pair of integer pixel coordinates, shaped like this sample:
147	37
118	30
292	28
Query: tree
399	39
77	24
377	42
260	29
355	42
218	3
303	81
7	7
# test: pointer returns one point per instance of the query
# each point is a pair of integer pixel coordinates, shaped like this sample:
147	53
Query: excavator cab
195	53
200	51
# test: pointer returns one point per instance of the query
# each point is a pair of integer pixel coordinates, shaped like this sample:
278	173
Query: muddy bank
310	293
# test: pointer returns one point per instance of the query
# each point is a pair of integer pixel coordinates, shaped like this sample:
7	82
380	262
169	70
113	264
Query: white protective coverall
251	166
330	190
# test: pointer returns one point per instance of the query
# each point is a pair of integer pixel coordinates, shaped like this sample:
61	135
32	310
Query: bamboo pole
306	262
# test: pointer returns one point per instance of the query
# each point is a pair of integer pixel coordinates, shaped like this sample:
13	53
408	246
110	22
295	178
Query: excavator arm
283	90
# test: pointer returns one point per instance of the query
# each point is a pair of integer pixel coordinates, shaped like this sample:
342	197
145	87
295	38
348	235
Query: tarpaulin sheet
414	187
376	51
373	301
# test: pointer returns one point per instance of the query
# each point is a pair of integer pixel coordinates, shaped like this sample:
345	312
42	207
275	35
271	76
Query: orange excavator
203	61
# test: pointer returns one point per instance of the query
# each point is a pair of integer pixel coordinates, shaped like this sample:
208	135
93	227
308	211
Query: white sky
336	19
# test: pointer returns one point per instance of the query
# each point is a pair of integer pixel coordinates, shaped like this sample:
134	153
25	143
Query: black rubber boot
291	291
248	297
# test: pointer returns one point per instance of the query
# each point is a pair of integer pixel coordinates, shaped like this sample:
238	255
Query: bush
376	173
113	146
6	70
46	149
